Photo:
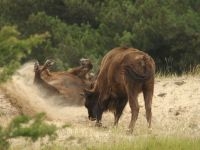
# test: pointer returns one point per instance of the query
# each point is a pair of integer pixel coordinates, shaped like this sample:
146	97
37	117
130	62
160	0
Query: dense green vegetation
67	30
13	49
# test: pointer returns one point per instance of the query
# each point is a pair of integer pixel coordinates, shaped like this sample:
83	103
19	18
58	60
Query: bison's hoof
98	124
150	130
115	126
129	131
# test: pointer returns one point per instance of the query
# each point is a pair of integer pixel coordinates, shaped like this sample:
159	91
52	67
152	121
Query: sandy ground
176	111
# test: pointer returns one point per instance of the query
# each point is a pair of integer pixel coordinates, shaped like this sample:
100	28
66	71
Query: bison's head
91	104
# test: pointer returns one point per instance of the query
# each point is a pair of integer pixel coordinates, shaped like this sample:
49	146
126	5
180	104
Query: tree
167	30
13	49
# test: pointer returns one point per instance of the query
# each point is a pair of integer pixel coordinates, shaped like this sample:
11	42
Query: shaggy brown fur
68	85
123	74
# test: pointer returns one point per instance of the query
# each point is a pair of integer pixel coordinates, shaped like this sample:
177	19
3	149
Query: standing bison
123	74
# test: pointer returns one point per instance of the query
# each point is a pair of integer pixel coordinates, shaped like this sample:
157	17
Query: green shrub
13	49
29	127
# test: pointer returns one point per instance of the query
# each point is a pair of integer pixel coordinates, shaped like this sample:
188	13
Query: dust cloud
30	100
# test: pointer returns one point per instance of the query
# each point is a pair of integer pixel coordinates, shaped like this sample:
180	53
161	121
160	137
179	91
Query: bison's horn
88	92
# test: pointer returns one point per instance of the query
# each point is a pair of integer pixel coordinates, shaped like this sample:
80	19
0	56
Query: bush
29	127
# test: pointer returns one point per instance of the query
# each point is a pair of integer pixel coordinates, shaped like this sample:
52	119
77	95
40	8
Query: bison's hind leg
133	102
148	94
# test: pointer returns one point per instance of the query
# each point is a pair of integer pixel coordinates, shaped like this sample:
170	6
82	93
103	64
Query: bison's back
111	63
122	64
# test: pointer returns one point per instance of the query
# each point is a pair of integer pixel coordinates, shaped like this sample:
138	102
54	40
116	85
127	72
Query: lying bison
81	71
123	74
61	83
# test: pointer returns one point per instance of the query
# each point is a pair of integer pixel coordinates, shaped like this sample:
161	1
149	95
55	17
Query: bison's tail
147	70
132	74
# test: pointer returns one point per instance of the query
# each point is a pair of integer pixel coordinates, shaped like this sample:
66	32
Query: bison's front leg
99	116
119	110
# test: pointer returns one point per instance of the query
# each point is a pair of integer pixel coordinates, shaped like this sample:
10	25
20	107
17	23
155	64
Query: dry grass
176	112
152	143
